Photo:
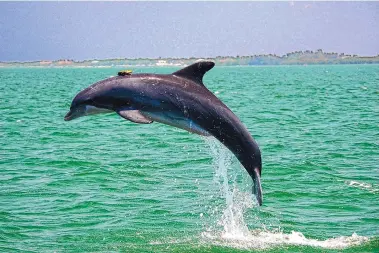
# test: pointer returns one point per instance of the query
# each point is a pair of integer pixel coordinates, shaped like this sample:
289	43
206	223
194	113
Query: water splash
237	201
235	232
266	239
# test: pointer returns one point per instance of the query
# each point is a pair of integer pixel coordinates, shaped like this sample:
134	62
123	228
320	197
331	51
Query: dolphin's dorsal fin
134	116
196	71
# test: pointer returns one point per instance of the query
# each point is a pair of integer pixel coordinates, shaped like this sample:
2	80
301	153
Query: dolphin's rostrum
180	100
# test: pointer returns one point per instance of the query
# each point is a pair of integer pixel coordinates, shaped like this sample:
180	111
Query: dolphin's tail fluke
257	188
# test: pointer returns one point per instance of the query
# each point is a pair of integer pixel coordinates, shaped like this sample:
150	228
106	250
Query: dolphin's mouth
69	116
78	112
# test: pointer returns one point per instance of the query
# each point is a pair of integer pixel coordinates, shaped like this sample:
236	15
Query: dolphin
179	99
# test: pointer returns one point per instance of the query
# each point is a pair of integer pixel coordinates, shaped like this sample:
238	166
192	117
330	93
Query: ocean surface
103	184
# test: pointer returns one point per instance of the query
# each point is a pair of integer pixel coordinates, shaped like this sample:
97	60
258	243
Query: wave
363	186
262	240
257	239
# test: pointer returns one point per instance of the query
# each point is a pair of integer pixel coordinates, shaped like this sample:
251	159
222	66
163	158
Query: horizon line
193	57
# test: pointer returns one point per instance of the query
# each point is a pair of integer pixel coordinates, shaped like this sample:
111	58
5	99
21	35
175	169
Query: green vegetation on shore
294	58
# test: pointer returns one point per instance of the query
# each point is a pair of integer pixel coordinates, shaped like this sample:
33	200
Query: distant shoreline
294	58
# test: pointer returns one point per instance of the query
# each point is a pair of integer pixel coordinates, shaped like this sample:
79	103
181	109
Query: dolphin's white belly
173	119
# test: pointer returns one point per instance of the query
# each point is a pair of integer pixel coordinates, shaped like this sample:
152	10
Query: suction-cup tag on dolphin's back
125	72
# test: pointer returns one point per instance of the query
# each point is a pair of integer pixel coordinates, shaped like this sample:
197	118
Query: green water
102	184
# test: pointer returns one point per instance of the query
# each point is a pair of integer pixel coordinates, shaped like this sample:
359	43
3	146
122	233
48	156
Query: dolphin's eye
85	102
89	102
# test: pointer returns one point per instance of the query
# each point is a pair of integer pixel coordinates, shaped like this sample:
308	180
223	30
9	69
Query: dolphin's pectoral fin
134	116
195	72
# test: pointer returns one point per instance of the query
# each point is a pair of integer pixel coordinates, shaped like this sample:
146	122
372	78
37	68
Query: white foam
265	239
363	186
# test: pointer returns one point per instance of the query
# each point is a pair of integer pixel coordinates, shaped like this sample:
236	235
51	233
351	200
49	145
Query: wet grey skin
180	100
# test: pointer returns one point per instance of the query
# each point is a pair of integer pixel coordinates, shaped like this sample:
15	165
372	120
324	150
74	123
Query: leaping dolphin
179	99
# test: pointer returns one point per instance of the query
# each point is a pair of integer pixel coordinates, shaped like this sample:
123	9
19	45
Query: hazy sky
88	30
